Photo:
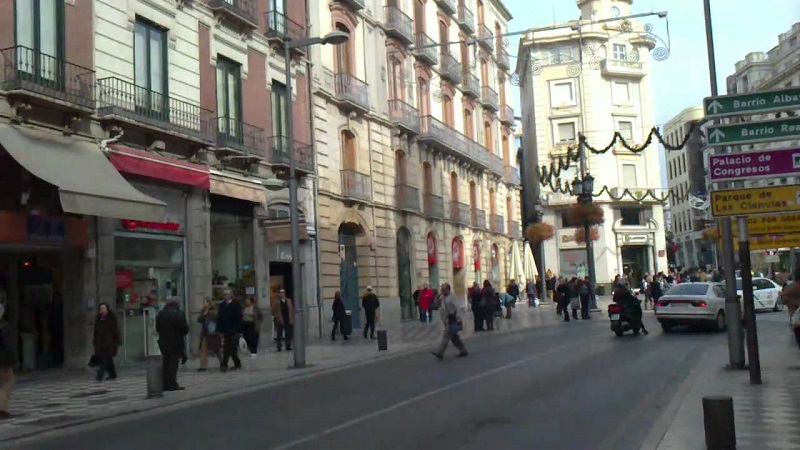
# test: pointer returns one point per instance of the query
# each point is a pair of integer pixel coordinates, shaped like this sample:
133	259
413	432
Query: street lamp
584	188
332	38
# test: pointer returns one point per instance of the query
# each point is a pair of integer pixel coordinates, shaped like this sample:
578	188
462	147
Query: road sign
762	200
752	103
771	242
750	132
760	164
771	224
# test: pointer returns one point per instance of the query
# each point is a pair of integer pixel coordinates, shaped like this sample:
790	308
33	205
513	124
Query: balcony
496	165
356	185
485	37
489	98
503	60
466	19
497	223
351	92
448	6
242	12
123	101
478	218
616	67
51	81
425	49
514	229
399	25
511	175
278	156
281	27
472	85
433	206
355	5
441	136
238	137
459	213
407	197
507	115
404	116
450	69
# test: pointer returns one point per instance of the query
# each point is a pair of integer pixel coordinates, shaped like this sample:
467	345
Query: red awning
139	162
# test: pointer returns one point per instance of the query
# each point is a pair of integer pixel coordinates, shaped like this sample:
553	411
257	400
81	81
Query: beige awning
236	187
87	182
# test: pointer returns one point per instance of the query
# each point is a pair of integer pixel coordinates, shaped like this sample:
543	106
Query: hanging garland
585	212
539	232
654	132
580	234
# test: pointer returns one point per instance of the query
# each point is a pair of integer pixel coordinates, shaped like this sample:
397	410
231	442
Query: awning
238	187
139	162
529	262
88	184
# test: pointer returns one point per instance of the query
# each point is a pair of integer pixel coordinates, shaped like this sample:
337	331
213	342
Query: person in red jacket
425	303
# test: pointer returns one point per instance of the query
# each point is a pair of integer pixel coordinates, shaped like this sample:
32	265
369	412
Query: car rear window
688	289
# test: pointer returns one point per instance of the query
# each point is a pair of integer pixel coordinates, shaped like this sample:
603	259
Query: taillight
699	303
662	303
614	309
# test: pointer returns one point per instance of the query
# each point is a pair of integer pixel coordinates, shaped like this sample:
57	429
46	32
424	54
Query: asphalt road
569	386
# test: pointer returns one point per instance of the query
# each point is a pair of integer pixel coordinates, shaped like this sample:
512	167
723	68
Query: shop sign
772	224
282	252
476	255
124	279
431	242
767	242
662	253
457	250
155	226
566	239
47	230
635	239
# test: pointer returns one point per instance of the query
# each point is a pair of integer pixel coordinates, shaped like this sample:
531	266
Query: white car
692	304
766	293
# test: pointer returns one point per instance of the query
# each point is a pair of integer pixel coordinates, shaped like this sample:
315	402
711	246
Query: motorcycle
622	320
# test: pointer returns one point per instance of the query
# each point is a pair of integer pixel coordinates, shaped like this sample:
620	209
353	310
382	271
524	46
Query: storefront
232	247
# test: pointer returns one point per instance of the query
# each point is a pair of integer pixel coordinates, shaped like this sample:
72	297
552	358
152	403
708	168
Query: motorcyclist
630	305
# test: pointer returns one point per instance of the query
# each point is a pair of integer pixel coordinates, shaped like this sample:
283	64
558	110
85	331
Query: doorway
634	263
404	272
280	277
348	271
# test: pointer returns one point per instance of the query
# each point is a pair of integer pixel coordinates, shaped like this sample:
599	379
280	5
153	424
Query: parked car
766	293
701	303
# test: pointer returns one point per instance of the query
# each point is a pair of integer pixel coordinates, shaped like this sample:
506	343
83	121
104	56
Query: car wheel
719	322
666	327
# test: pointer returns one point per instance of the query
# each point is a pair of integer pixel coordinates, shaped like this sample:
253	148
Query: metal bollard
155	377
719	423
383	340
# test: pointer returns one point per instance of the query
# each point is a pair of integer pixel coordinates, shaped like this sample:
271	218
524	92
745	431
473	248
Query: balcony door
423	97
280	130
229	100
480	12
150	70
397	82
444	39
419	16
39	34
473	201
509	209
447	109
506	155
469	124
492	206
464	57
487	136
401	167
345	63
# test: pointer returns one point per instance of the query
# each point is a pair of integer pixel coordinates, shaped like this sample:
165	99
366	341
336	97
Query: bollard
383	340
155	377
719	423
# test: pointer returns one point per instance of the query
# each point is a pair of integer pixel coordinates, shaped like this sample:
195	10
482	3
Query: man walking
229	325
370	303
172	328
448	312
283	312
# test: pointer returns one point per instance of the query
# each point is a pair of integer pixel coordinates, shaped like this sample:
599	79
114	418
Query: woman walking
209	339
106	341
7	364
251	324
339	313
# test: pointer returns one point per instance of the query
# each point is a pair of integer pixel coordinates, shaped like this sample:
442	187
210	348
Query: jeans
477	317
285	333
424	315
169	371
230	350
489	320
446	339
370	325
106	365
250	333
585	301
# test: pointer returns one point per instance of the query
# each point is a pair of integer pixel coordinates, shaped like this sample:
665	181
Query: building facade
413	134
594	79
156	127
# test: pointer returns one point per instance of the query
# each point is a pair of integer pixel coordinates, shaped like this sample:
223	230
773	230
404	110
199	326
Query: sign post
749	307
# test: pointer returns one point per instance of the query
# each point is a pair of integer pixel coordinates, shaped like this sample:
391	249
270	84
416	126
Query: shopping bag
242	344
575	303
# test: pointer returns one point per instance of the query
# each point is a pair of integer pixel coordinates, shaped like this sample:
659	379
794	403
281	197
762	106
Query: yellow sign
772	224
762	200
766	242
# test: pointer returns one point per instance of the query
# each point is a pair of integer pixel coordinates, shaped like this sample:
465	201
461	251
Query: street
571	385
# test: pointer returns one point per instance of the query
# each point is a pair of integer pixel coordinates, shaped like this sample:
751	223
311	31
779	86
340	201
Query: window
349	153
454	187
561	55
487	135
424	100
629	176
619	52
631	216
625	129
444	39
492	205
562	93
344	63
401	166
229	98
620	93
275	5
150	65
464	57
39	28
565	222
279	99
565	132
447	110
469	124
397	80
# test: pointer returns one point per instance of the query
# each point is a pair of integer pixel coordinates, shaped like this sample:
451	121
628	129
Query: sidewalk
767	416
75	397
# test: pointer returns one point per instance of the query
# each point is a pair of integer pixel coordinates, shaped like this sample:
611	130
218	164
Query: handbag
242	344
93	361
211	327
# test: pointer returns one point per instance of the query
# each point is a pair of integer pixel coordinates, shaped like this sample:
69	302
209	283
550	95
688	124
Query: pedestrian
370	303
339	314
283	314
507	300
646	289
574	298
489	304
415	296
229	325
209	339
564	295
790	295
513	290
251	325
585	293
448	312
106	341
530	291
7	363
477	305
172	329
551	281
425	303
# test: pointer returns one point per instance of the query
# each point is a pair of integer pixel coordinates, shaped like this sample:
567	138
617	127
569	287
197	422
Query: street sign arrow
751	132
752	102
716	135
715	106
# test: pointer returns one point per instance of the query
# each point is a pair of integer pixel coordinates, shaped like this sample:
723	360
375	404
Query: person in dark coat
339	314
370	303
490	303
477	305
229	325
106	340
172	329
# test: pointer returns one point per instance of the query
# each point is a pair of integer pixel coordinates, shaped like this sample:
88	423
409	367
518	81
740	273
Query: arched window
469	124
487	135
349	150
447	110
423	98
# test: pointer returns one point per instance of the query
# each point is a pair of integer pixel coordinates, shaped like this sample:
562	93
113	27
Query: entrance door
348	273
404	272
634	263
39	311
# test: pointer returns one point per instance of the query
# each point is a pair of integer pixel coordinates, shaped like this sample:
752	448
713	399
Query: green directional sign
752	102
751	132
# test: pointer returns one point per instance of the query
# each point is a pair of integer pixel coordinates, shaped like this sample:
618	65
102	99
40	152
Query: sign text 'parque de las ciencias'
761	200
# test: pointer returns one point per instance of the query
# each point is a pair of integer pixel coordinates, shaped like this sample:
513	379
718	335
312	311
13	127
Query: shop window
232	252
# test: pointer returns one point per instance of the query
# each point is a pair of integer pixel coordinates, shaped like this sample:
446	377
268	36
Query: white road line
411	400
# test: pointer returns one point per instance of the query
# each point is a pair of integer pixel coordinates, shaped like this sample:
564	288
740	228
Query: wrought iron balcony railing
485	37
407	197
242	11
352	91
404	115
478	217
497	223
356	185
425	49
459	212
511	175
399	25
234	134
507	115
466	19
471	85
442	136
27	70
278	154
434	206
450	69
281	26
448	6
489	98
514	229
502	59
117	98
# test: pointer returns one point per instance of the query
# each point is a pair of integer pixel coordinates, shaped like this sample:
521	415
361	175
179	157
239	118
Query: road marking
411	400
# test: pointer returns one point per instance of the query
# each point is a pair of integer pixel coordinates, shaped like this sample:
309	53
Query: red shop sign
431	241
124	279
476	257
161	226
457	249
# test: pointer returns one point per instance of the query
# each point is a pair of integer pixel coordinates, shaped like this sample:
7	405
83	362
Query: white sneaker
253	355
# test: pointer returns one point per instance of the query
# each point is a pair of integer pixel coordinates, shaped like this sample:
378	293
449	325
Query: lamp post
584	188
333	38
